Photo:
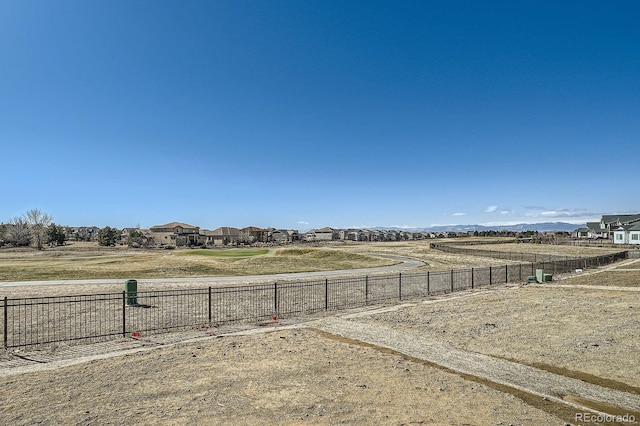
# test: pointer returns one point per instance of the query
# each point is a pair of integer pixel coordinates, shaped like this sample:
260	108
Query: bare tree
38	224
17	233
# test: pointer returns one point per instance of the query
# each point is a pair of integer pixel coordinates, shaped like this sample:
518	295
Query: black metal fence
495	254
46	320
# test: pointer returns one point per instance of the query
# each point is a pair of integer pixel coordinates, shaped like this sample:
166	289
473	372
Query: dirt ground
285	377
566	330
303	376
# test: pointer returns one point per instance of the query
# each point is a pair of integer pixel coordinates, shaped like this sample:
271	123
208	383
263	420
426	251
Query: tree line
36	228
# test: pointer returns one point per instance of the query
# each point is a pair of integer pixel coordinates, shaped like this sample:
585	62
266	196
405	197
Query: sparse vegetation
85	260
225	253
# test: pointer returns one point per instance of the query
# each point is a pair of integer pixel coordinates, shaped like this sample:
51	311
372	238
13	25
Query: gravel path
532	380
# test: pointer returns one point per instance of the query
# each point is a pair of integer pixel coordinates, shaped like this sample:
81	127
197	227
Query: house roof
172	225
623	218
225	231
252	229
594	226
325	229
628	227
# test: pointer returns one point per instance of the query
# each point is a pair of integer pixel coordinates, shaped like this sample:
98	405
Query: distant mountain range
520	227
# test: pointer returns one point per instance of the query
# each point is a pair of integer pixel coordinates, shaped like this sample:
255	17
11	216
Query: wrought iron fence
47	320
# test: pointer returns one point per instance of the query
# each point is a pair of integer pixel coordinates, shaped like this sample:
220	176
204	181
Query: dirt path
576	393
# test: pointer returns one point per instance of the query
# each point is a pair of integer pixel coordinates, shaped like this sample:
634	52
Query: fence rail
28	322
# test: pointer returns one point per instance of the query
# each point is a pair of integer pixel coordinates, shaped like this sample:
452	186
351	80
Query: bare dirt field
554	328
285	377
303	376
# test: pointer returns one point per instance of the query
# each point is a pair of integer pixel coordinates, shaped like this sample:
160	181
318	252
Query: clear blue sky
304	114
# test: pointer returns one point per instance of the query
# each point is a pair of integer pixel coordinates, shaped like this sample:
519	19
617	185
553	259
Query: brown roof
173	225
252	229
225	231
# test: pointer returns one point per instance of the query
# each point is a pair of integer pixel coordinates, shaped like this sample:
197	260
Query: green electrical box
131	292
548	277
539	275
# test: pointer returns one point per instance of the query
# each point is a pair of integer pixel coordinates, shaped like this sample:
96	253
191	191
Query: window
619	237
635	237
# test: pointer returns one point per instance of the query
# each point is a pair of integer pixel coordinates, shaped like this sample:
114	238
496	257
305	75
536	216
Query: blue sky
304	114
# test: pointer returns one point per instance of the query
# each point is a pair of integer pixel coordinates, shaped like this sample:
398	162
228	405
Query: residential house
592	231
627	234
223	236
280	236
366	235
83	233
612	222
322	234
325	234
253	234
175	234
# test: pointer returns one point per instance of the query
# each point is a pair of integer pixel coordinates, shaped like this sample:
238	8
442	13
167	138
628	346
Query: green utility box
539	275
548	277
531	279
131	292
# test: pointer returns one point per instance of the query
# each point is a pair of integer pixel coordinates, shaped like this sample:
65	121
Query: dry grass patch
117	263
592	332
553	249
286	377
611	277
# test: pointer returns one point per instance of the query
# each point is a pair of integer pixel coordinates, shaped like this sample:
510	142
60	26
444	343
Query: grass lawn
73	263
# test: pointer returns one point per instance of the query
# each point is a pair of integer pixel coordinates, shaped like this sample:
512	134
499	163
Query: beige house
253	234
322	234
175	234
223	236
283	236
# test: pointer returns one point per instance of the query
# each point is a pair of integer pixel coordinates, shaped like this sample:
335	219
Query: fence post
124	315
452	281
520	276
6	318
366	289
471	278
506	274
209	306
275	298
490	275
428	284
400	286
326	294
